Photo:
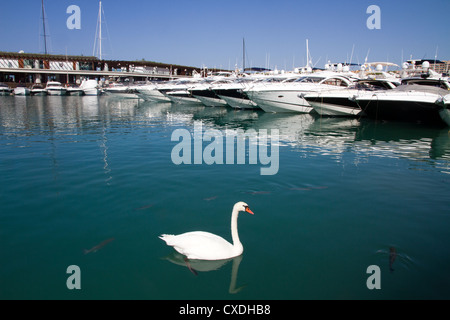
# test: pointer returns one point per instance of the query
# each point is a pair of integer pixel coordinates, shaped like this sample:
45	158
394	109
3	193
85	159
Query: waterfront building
30	68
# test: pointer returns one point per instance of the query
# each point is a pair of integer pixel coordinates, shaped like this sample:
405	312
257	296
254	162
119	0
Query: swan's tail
166	237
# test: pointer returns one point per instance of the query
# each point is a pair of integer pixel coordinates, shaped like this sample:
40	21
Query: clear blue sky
210	32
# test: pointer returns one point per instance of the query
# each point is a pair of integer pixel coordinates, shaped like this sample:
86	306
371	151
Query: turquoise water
78	171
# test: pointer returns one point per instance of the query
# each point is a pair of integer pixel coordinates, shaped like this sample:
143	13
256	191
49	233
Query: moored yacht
178	91
413	101
74	91
38	90
341	102
22	90
90	87
150	92
286	96
5	90
233	93
203	91
182	96
120	90
55	88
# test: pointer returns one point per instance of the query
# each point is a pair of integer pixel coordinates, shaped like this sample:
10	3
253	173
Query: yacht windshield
309	79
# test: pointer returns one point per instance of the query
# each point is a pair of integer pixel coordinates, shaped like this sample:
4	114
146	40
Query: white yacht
233	93
90	87
55	88
74	91
178	91
120	90
203	91
5	90
182	97
415	100
286	96
150	92
38	90
341	102
22	90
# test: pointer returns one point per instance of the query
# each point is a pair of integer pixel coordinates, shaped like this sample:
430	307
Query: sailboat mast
243	55
43	24
100	29
307	54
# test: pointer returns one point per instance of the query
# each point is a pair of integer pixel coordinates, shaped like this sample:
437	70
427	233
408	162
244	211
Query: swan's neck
234	232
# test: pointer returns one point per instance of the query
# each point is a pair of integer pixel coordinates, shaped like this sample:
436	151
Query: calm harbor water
77	172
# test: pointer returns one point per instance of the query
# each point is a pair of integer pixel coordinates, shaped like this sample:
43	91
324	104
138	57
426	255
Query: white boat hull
22	91
122	95
152	95
184	100
182	97
56	92
38	92
271	101
326	109
91	92
239	103
76	92
211	102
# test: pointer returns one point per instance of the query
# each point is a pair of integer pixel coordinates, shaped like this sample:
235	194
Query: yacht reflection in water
196	266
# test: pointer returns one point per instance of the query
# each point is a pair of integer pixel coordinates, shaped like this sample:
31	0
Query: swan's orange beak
248	210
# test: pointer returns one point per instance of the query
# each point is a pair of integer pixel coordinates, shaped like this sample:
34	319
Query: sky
210	33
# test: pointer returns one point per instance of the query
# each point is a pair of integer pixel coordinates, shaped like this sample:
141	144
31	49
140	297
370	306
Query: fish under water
210	198
258	192
144	207
392	256
98	247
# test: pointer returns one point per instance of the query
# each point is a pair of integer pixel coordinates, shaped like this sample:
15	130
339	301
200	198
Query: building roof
62	57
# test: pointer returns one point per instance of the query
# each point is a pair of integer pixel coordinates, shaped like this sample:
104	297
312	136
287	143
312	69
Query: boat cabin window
372	85
335	82
309	79
432	83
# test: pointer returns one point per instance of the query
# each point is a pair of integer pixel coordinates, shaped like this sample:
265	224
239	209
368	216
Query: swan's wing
199	244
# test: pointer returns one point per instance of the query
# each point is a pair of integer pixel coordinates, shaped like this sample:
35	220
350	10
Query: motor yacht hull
22	91
75	92
121	94
91	92
239	103
211	101
152	95
420	107
5	91
56	92
275	101
334	105
38	92
182	97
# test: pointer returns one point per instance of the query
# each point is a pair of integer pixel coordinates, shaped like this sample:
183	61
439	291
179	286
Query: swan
207	246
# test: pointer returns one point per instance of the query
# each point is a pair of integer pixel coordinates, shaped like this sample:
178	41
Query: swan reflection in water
196	266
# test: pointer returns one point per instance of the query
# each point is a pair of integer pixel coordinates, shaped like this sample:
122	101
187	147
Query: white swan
207	246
